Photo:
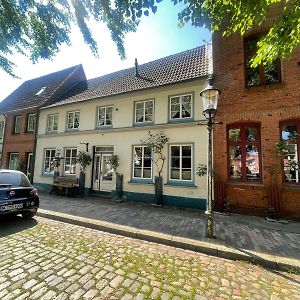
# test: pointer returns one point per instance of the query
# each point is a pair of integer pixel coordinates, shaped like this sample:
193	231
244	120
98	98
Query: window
30	122
1	129
14	161
263	74
73	120
52	123
144	111
244	152
70	161
105	116
290	133
180	162
40	92
142	162
17	124
181	107
49	161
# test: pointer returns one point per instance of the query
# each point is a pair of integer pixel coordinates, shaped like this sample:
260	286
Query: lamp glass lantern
210	97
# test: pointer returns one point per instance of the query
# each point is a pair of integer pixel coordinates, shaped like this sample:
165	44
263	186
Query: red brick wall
22	142
267	105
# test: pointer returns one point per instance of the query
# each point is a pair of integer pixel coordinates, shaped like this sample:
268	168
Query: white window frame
16	167
72	166
71	125
17	121
50	162
1	129
142	167
180	108
144	111
31	122
105	115
50	123
180	162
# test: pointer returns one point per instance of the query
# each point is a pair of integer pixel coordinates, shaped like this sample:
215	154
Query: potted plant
118	194
157	142
84	159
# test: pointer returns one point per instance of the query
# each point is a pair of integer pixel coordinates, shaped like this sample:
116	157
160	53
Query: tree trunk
158	197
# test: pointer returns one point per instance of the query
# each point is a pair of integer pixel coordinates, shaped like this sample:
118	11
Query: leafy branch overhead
38	28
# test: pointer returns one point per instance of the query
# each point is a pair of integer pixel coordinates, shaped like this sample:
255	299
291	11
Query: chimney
136	68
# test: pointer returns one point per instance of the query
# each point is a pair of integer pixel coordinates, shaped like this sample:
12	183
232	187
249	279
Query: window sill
51	132
275	85
47	175
143	124
181	184
72	130
246	183
141	181
104	127
182	120
292	186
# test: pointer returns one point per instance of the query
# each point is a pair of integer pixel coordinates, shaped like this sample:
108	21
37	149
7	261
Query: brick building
21	111
258	108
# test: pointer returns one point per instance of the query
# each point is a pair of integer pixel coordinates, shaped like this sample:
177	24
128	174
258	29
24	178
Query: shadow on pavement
14	224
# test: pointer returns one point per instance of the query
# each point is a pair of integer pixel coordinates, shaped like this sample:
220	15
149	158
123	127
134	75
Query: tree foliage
232	16
37	28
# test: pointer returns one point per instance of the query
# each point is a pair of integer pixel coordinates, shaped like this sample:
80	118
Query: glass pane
147	173
175	151
175	114
291	174
186	163
137	172
186	113
271	73
175	174
107	171
186	150
149	104
251	45
186	175
234	134
147	151
251	133
175	162
175	100
139	106
147	162
289	132
252	75
148	118
139	118
252	162
68	153
235	162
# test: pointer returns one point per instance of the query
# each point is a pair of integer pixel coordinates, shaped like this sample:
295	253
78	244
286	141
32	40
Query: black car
17	195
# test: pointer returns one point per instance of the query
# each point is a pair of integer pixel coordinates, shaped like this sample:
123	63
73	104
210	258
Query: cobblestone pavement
247	233
44	259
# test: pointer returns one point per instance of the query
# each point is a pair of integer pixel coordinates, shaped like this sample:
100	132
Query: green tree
37	28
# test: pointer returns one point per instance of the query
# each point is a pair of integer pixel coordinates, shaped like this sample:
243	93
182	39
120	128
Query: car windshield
14	179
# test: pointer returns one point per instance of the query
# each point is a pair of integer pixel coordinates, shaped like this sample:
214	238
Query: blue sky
157	36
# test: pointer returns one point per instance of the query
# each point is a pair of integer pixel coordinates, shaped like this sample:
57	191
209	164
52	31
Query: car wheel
28	214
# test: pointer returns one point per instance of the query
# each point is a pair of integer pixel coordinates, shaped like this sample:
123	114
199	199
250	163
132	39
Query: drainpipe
3	137
34	144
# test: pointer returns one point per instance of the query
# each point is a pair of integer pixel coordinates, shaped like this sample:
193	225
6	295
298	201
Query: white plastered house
113	113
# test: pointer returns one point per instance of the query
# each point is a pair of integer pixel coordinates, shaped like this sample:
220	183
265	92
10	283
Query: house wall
2	119
267	105
124	135
22	142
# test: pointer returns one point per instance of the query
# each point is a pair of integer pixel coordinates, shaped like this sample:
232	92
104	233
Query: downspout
34	144
3	138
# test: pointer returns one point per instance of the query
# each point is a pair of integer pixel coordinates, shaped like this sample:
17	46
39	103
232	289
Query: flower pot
158	196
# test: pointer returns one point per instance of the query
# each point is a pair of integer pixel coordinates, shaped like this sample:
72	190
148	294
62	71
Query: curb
210	248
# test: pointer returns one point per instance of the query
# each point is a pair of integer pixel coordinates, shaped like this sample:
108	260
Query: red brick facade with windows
22	143
266	105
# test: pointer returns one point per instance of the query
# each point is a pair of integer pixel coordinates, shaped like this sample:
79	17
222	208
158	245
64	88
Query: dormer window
41	91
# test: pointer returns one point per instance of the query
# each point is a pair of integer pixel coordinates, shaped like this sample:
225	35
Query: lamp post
210	96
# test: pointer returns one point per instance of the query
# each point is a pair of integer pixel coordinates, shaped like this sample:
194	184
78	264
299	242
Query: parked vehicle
17	195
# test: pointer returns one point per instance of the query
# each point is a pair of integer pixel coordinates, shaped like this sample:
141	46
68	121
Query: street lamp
210	96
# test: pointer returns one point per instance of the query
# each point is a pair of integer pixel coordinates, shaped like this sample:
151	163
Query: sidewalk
249	238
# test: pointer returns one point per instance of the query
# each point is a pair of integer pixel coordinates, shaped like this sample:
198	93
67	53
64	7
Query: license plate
10	207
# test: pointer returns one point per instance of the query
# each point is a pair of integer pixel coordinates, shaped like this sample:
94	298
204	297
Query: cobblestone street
43	259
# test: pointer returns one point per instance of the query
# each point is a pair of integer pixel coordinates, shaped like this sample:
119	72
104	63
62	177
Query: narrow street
44	259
